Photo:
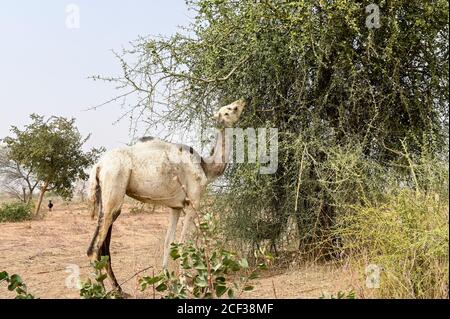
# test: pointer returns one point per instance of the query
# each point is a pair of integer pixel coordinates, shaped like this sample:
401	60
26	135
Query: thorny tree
313	70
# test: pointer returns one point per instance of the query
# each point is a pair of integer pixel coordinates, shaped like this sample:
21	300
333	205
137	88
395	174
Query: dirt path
46	252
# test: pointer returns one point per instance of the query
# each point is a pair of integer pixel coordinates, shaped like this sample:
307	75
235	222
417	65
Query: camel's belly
158	174
156	184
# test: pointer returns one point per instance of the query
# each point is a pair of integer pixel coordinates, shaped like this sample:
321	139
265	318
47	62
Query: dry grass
406	237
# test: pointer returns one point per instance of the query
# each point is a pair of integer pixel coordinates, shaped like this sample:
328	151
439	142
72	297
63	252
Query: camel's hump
146	139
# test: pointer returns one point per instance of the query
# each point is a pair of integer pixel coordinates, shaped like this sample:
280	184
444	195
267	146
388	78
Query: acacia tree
314	70
52	150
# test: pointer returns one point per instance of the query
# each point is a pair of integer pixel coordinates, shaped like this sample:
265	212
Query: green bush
15	212
208	270
95	289
15	283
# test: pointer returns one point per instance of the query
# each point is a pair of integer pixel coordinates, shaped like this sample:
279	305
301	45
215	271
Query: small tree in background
16	181
52	149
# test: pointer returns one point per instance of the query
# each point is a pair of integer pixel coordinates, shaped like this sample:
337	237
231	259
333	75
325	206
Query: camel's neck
215	164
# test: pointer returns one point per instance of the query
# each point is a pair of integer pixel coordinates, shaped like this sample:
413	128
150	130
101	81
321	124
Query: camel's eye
235	108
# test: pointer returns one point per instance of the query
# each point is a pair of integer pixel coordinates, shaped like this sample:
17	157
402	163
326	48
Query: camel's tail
94	190
95	197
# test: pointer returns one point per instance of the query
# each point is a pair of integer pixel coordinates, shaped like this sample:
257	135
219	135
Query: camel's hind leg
103	243
112	194
105	252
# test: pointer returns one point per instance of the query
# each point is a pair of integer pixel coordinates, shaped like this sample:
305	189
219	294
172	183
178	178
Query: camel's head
229	114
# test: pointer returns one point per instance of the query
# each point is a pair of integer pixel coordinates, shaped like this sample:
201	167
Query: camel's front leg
186	234
188	225
170	236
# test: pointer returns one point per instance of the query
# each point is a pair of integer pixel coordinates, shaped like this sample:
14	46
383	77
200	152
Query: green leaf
100	264
220	279
174	254
14	282
201	281
152	280
243	263
161	287
253	275
220	290
217	267
101	277
248	288
200	266
3	275
263	266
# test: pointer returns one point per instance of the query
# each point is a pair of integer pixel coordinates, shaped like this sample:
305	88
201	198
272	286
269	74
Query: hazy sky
44	65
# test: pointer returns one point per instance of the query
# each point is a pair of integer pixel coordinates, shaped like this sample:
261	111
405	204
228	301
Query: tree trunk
41	197
30	198
30	194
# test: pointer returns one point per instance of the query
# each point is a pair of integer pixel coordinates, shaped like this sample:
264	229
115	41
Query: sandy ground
48	253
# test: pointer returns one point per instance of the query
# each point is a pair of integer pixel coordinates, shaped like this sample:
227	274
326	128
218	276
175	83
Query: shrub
15	212
208	269
15	283
95	289
404	233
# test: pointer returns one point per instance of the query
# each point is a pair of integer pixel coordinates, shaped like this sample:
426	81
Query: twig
140	271
239	64
54	270
274	290
299	178
409	160
153	285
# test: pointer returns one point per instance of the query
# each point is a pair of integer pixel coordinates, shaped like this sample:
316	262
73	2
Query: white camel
158	172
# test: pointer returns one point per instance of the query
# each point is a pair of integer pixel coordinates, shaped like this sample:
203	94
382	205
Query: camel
157	172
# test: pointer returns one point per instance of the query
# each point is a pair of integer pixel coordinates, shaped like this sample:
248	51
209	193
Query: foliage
341	95
15	283
15	212
207	269
404	233
95	289
16	181
52	150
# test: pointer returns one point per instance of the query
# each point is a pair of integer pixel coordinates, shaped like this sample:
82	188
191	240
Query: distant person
50	205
